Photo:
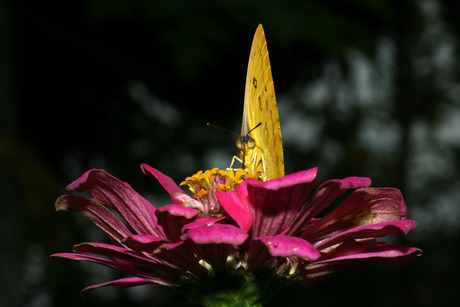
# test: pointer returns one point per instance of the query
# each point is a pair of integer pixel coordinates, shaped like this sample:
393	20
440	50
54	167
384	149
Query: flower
237	231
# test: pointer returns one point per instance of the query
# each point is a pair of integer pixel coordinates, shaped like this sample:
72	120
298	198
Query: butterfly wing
260	107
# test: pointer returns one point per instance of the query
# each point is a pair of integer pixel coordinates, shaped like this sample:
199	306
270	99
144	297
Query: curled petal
122	259
144	243
323	196
119	196
168	184
97	213
390	255
106	262
369	231
286	246
381	252
126	257
364	206
131	282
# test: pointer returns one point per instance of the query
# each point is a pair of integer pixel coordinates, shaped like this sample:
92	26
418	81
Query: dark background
364	88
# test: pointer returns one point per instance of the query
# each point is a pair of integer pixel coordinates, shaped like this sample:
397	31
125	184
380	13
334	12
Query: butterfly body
260	142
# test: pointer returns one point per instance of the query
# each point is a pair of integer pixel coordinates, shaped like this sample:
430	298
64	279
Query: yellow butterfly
260	143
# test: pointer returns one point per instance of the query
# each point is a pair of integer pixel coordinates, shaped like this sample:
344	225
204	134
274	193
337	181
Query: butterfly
260	142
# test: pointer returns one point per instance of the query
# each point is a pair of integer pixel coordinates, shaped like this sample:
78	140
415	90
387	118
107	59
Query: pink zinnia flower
237	234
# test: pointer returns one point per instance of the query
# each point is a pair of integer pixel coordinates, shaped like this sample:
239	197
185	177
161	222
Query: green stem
238	290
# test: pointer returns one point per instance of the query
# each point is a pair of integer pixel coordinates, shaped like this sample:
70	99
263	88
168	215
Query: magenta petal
178	210
237	206
275	204
203	221
271	206
119	196
120	266
286	246
381	252
302	177
172	218
122	259
217	234
215	243
369	231
97	213
120	254
389	255
130	282
168	184
144	243
323	196
364	206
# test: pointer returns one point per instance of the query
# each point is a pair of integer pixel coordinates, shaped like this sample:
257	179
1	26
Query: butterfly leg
258	160
233	161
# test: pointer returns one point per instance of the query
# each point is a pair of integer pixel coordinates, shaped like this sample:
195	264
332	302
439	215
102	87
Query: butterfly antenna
221	128
255	127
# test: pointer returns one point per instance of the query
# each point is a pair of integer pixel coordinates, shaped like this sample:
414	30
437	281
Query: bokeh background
365	88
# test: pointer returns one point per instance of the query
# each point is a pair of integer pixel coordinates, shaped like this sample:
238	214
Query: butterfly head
245	141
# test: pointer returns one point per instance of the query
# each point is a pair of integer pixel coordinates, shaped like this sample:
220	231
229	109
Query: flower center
201	183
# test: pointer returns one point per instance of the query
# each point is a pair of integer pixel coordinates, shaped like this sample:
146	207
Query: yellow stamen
201	193
202	182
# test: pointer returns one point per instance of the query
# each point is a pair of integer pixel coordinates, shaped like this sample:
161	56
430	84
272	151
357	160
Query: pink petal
124	260
127	257
275	203
286	246
369	231
178	210
119	196
97	213
236	204
106	262
203	221
144	243
217	234
364	206
172	218
389	255
215	243
383	251
168	184
129	266
130	282
323	197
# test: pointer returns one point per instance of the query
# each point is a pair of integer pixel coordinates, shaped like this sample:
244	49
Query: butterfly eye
250	141
238	142
245	140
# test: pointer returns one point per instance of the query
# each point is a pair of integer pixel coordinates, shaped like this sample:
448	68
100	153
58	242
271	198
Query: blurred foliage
367	88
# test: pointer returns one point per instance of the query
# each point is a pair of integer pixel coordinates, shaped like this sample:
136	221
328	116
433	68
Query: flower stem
237	290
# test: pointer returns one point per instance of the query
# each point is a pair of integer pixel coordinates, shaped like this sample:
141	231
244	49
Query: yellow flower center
218	180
